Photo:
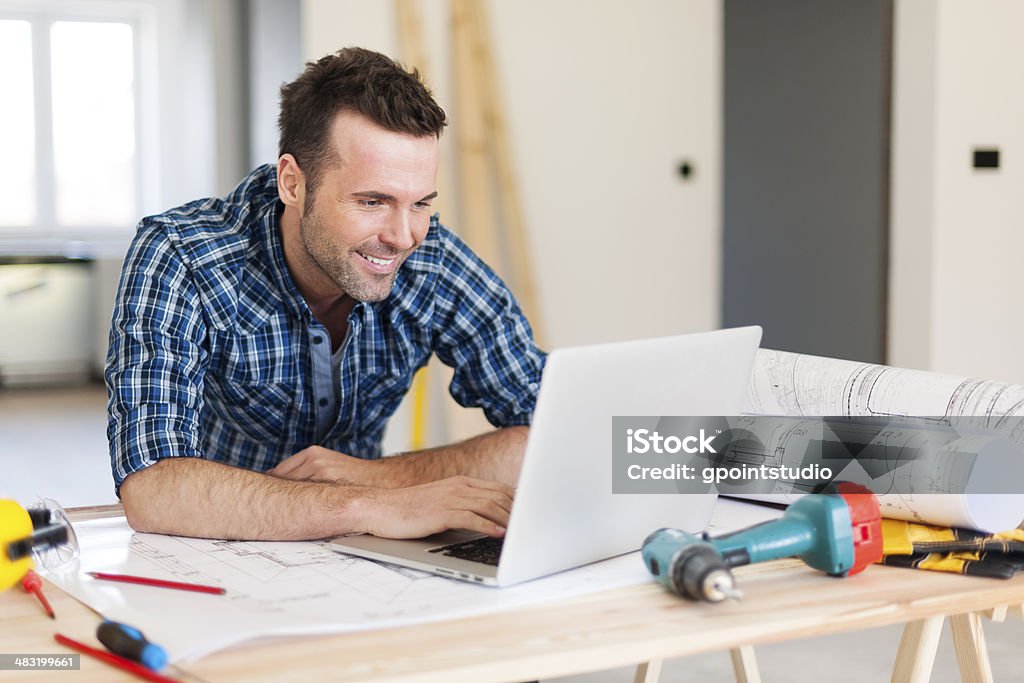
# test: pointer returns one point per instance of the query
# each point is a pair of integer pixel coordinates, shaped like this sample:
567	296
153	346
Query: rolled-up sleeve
156	359
482	333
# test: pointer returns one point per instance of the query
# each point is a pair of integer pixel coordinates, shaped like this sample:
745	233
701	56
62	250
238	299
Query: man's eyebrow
385	197
370	194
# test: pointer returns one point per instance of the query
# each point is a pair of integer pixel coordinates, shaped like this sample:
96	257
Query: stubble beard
338	264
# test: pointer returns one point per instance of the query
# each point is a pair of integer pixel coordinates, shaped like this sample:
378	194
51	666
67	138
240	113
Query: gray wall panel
806	157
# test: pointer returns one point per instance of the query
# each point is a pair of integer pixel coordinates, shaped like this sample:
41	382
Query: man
261	341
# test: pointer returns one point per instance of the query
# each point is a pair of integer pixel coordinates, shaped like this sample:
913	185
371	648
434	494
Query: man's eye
370	203
421	205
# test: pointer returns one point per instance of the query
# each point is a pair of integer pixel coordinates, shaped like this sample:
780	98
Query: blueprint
786	383
286	588
792	384
302	588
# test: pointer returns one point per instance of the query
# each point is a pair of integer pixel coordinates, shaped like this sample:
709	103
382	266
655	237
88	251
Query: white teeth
378	261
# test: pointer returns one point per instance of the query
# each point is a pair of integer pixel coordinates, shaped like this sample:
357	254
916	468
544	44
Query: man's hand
453	503
317	463
207	499
456	502
495	455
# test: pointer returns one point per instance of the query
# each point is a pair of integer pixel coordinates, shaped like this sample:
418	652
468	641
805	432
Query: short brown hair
352	79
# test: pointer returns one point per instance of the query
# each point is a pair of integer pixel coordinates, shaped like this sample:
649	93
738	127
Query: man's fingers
497	504
464	519
489	500
289	464
491	505
302	472
491	485
493	511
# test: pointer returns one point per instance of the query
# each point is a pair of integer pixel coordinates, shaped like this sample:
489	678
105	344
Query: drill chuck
689	566
698	573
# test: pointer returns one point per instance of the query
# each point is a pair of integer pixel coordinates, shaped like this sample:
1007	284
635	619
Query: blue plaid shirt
215	354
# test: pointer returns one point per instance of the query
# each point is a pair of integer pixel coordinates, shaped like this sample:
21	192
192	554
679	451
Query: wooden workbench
783	600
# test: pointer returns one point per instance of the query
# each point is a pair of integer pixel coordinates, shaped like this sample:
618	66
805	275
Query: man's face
371	209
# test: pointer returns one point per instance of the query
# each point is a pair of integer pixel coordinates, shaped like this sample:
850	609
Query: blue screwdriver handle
129	643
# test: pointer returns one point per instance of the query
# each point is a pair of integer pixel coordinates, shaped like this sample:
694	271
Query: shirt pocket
250	384
259	411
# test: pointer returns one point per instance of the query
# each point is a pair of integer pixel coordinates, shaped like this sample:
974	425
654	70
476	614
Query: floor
53	444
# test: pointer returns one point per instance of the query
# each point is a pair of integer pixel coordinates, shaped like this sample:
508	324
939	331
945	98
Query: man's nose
399	234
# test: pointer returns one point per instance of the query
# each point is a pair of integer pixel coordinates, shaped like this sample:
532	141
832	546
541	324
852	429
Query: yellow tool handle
15	525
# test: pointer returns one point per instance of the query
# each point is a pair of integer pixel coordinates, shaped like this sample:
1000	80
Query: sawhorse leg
971	651
744	666
648	672
916	654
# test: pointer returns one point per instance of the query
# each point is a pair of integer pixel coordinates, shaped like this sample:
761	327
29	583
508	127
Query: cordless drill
839	534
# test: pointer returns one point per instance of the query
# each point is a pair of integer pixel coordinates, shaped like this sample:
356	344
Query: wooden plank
970	647
783	600
410	36
996	614
618	628
916	654
744	664
514	226
82	514
476	190
648	672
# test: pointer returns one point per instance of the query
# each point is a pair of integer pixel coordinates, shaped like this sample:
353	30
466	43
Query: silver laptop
565	514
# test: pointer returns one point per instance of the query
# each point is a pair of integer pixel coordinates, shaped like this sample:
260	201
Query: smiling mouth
377	261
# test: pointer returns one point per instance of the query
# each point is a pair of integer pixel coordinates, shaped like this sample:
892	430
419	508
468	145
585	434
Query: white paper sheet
286	588
279	589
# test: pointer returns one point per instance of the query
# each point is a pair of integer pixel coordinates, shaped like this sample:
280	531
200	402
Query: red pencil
160	583
113	660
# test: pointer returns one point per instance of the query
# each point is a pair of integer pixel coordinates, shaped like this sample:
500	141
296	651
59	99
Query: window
17	128
68	125
91	74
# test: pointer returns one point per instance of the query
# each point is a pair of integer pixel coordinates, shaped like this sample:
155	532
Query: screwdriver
33	584
129	643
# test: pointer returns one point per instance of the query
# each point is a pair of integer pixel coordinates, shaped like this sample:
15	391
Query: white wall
603	100
957	232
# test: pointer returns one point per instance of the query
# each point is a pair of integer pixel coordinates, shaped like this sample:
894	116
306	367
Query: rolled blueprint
955	415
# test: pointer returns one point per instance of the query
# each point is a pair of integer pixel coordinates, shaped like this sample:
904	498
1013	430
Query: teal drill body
835	534
816	529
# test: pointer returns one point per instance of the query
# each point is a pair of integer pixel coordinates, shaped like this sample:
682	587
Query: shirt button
323	403
318	340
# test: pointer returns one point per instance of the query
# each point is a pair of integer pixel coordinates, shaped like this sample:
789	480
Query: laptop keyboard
485	550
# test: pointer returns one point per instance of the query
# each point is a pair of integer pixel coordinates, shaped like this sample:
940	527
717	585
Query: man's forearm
496	455
196	497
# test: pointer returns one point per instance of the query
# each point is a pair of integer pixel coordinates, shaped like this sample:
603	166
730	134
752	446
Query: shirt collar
269	222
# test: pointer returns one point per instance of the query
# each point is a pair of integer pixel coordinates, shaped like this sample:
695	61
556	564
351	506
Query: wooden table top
782	600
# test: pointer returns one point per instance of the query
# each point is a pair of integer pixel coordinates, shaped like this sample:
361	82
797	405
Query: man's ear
291	182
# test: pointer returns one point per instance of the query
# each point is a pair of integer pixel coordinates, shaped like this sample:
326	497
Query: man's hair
358	80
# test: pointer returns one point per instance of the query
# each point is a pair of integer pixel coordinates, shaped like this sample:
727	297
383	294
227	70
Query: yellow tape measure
15	525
